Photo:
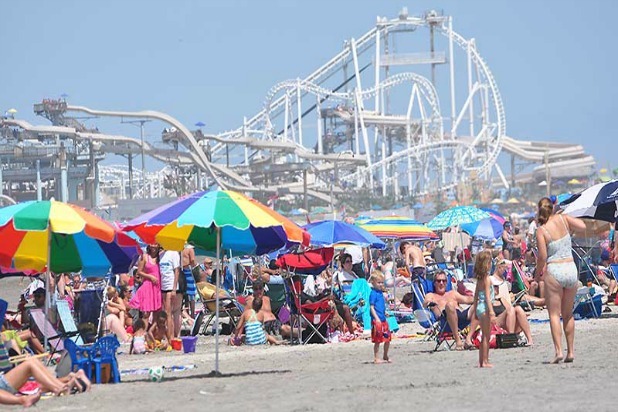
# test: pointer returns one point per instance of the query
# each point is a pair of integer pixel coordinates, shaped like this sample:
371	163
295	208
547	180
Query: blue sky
214	61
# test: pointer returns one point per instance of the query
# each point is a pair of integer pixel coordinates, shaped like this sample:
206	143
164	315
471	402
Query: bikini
565	273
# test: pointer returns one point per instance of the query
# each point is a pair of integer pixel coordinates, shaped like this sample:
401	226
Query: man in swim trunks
446	305
272	325
415	261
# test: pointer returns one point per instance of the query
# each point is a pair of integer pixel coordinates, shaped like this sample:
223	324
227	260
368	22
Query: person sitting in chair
446	305
272	325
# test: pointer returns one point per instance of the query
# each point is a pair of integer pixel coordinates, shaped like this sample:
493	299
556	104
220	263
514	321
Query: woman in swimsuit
554	242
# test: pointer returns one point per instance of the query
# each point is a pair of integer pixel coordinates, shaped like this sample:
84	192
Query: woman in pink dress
147	299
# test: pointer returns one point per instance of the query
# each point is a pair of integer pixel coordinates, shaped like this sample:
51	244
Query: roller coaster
363	122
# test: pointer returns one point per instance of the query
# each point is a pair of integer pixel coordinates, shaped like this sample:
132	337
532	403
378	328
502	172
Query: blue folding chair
104	352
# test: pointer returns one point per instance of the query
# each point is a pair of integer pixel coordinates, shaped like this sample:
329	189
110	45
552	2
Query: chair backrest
419	296
76	352
4	305
520	281
68	323
105	347
614	269
5	364
276	293
44	326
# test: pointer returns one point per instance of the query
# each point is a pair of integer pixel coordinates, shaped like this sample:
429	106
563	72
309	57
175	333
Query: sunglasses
440	280
348	261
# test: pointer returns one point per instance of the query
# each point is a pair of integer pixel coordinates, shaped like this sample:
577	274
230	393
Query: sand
341	376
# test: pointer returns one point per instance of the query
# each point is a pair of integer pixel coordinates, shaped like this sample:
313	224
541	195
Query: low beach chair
47	330
229	308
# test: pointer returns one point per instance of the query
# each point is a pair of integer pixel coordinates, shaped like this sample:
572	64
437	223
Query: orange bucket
176	344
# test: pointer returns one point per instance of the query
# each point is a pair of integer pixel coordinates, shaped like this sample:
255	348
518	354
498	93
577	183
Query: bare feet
387	359
83	380
486	365
459	346
556	360
378	361
569	359
29	400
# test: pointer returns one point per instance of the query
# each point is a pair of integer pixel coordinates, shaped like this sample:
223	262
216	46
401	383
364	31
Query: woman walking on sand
554	243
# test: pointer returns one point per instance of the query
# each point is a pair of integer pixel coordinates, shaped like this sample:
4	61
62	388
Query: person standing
147	298
188	263
555	262
171	298
380	332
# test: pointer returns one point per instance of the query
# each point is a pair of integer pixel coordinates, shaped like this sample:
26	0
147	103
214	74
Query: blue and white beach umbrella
597	202
458	215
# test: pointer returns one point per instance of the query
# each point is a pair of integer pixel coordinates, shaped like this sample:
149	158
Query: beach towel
360	291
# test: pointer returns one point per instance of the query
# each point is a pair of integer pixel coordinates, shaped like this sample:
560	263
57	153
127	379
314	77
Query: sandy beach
341	376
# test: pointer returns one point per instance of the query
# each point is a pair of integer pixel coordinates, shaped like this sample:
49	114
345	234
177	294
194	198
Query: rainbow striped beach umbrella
246	225
214	220
59	237
398	227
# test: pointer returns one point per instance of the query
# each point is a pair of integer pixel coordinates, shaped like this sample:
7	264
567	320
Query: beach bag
493	343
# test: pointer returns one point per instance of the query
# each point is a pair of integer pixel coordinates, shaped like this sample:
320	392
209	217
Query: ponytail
545	210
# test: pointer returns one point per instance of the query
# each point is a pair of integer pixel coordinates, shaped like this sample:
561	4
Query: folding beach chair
437	328
276	293
229	308
584	268
314	315
522	284
587	304
67	322
47	330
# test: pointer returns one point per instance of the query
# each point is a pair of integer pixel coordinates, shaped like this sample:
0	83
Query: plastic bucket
176	344
188	343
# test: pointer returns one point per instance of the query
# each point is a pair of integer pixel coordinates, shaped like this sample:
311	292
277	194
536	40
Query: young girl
139	344
252	323
380	332
483	296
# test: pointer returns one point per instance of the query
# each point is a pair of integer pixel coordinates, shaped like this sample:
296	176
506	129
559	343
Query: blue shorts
5	386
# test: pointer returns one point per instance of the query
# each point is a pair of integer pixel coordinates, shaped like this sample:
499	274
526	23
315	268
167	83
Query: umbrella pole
218	286
47	278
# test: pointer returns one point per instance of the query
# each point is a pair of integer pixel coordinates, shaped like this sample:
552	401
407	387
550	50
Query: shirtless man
415	261
187	257
272	325
446	304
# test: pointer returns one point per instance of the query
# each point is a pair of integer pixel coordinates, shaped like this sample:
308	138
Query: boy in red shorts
379	326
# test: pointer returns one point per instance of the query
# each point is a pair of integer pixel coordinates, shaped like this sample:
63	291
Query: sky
214	61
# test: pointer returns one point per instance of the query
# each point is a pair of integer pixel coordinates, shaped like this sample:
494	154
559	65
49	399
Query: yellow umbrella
497	201
574	182
513	201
